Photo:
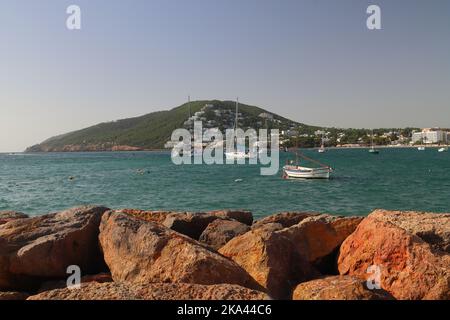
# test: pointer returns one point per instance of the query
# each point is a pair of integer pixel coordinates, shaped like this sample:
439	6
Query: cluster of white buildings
431	136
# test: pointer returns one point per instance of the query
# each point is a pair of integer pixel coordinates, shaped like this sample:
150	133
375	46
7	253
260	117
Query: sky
313	61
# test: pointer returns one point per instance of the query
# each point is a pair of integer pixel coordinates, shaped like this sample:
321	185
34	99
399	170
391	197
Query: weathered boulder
432	228
318	238
338	288
60	284
36	249
145	251
219	232
155	216
270	258
411	267
12	295
6	216
242	216
152	291
286	219
193	224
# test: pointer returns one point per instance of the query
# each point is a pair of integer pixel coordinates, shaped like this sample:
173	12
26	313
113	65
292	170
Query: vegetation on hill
150	131
153	130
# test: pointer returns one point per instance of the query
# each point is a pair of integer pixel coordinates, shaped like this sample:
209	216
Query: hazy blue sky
313	61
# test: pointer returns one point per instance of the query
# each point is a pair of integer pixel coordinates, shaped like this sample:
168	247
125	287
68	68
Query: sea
394	179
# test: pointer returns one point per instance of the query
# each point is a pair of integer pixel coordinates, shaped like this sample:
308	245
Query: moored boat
372	149
295	171
299	172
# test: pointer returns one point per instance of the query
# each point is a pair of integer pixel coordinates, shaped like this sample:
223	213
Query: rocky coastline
219	255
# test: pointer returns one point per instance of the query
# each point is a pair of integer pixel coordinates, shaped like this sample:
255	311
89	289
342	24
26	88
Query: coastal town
305	136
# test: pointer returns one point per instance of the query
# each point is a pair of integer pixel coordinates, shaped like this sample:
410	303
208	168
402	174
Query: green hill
153	130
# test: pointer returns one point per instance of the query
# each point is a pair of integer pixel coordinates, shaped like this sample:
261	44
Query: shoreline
434	146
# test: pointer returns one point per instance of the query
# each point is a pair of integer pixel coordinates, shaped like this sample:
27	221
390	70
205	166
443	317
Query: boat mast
371	143
189	106
236	114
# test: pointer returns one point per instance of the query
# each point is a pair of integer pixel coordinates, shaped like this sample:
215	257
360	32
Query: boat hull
306	173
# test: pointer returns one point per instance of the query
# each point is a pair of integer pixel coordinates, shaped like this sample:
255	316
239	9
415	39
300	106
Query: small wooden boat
306	173
295	171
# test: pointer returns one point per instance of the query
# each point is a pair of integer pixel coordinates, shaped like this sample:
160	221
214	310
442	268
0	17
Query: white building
430	136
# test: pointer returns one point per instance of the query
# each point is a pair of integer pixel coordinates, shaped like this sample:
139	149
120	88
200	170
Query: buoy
71	178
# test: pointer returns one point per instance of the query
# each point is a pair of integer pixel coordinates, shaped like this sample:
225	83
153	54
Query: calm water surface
402	179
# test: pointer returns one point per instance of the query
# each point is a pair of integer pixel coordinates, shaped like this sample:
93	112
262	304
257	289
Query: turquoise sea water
402	179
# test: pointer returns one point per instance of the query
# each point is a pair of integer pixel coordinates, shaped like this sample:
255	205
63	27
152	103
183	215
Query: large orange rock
152	291
220	231
408	247
33	250
12	295
155	216
6	216
286	219
337	288
144	251
270	258
319	237
432	228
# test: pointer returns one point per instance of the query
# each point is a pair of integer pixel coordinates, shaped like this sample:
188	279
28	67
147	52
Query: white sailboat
443	149
372	149
322	146
237	154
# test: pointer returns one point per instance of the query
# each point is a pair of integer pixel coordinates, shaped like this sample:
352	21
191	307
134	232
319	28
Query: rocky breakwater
164	255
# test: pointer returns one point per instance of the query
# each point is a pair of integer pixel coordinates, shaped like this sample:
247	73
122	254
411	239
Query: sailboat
443	149
193	151
237	154
372	149
322	146
294	171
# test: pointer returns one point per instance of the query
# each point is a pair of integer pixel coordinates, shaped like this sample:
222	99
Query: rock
155	216
51	285
152	291
338	288
432	228
242	216
286	219
36	249
12	295
6	216
145	251
410	267
318	238
270	259
219	232
193	224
